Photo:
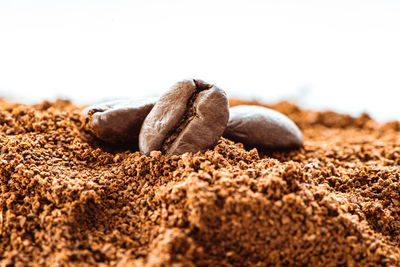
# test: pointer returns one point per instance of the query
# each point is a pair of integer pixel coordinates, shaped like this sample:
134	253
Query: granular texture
66	200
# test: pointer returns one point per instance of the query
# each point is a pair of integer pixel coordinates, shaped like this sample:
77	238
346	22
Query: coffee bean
118	122
190	117
261	127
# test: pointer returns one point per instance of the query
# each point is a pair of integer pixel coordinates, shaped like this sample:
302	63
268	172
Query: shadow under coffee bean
190	117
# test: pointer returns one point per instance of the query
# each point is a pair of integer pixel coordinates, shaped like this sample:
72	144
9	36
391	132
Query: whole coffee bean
256	126
118	122
190	117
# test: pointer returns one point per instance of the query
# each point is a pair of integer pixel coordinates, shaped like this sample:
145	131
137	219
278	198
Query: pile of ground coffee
66	201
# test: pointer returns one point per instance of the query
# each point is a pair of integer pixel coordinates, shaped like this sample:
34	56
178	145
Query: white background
340	55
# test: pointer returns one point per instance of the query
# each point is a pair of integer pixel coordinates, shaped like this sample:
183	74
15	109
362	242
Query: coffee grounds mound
66	201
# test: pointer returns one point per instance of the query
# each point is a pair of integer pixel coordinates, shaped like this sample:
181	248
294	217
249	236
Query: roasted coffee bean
190	117
261	127
118	122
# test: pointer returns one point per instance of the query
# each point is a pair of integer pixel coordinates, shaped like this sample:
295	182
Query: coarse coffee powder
67	200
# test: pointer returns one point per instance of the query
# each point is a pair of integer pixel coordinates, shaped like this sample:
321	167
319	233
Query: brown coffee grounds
64	201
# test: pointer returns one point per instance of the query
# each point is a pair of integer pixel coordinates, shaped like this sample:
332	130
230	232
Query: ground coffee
335	201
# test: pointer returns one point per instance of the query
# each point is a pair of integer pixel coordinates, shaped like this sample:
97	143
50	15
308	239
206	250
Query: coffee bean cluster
190	117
